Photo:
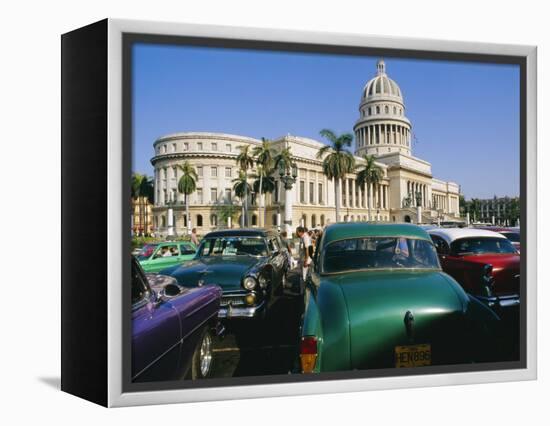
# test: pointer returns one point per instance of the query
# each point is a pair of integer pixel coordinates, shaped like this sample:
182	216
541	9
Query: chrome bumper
503	302
240	312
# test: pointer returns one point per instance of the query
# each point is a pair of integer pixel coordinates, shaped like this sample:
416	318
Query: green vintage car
155	257
376	297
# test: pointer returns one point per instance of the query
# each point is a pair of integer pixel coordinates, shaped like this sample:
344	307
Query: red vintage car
485	263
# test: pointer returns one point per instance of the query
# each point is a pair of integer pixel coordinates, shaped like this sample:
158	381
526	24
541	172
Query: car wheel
203	357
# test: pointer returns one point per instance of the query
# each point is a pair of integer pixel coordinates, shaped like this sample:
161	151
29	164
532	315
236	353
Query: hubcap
206	355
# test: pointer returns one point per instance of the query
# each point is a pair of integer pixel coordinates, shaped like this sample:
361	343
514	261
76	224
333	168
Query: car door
187	250
156	333
161	260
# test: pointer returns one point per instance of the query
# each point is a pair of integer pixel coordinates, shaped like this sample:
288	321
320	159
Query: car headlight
249	283
263	282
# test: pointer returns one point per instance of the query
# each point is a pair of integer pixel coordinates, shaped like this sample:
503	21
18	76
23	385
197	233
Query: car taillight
308	353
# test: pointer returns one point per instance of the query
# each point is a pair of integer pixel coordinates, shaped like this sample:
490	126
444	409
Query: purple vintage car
173	328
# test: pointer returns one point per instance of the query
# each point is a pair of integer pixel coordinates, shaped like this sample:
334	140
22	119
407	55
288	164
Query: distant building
499	210
382	130
142	219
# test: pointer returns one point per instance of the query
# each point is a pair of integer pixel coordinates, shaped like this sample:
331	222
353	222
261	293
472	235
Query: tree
263	184
264	161
242	189
245	161
225	211
284	159
369	173
142	191
187	185
338	161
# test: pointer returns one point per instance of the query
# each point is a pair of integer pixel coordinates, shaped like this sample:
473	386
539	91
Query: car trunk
506	270
378	302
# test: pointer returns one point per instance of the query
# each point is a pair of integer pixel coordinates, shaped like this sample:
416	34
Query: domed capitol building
382	130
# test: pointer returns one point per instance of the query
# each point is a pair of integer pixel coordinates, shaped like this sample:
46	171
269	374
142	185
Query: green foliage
241	185
223	211
370	172
339	160
284	160
264	155
142	186
188	180
244	159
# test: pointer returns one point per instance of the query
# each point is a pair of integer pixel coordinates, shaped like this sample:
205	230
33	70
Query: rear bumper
501	302
241	311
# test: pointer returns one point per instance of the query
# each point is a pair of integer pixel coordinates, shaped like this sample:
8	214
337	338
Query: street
253	348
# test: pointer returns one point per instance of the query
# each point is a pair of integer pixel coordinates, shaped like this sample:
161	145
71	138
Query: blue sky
465	116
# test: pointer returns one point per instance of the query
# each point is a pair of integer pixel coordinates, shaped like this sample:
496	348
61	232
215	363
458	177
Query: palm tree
242	188
338	162
245	161
369	173
264	161
263	184
284	159
187	185
142	190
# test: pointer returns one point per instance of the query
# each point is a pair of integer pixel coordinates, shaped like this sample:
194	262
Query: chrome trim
231	312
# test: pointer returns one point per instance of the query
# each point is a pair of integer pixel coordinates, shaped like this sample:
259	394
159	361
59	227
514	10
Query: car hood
225	271
377	302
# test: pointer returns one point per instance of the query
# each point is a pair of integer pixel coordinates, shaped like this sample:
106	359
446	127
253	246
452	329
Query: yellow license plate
413	356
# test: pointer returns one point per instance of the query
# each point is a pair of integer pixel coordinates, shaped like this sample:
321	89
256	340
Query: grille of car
233	301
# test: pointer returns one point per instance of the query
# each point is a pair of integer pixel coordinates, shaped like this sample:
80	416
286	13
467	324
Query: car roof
246	232
452	234
345	230
165	243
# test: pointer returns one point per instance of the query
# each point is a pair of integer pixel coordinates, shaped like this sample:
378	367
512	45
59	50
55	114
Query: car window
167	250
233	246
440	245
273	244
482	245
139	288
512	236
146	252
187	248
379	253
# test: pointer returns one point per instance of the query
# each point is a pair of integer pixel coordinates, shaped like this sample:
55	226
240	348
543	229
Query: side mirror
170	290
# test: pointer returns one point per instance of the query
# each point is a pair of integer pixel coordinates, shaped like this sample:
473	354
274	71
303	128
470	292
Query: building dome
382	85
382	127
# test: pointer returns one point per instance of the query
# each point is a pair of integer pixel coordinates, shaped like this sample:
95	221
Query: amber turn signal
250	299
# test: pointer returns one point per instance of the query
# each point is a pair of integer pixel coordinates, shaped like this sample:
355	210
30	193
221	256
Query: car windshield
512	236
379	253
482	245
146	252
233	246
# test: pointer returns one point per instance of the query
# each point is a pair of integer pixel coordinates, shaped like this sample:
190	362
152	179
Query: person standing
304	259
194	238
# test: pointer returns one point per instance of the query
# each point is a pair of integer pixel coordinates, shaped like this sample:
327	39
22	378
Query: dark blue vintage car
250	265
172	328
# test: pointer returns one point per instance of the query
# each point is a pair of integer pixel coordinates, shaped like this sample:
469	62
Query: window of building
214	146
199	220
386	109
214	171
199	171
227	195
228	147
370	111
164	149
302	191
378	110
186	146
254	220
320	193
199	146
214	194
174	172
311	192
213	220
228	172
199	195
395	110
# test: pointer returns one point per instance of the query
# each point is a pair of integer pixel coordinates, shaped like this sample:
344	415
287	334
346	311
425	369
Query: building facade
499	211
407	192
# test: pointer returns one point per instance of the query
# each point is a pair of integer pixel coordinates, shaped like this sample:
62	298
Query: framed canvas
252	213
